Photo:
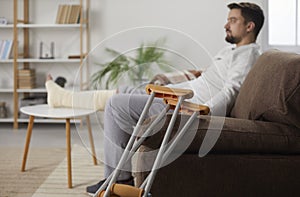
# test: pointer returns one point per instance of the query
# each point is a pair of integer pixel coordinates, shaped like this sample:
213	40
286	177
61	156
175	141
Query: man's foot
91	190
49	77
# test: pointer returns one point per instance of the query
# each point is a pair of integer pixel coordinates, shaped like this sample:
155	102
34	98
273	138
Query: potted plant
136	68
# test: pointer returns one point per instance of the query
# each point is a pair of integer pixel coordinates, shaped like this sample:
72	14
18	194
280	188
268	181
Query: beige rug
46	172
41	162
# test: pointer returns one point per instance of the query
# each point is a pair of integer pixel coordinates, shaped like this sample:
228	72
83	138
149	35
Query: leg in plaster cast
60	97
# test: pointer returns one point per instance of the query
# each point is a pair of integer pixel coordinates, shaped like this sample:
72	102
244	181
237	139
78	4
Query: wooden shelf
8	26
11	26
6	90
58	60
48	25
25	45
33	90
7	61
8	120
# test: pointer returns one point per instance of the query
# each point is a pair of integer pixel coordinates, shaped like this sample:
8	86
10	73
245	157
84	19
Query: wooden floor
84	174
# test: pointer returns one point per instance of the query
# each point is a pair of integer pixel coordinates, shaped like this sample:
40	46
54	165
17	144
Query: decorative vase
3	110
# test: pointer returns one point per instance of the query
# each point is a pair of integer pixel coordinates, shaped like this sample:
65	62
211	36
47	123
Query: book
26	78
63	14
30	71
1	45
26	73
6	49
68	14
9	50
75	14
59	14
75	56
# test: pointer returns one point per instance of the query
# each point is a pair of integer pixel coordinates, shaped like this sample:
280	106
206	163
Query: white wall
202	20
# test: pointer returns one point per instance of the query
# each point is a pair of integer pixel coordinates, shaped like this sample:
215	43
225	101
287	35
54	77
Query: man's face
236	28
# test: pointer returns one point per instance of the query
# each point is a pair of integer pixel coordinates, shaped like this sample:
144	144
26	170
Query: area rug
40	163
46	172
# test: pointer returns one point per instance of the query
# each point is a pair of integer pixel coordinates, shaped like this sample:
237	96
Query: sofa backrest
271	91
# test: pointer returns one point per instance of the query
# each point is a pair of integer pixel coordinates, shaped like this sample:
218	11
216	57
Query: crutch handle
188	106
169	93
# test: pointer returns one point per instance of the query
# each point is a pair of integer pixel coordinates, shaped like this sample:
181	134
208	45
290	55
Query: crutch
174	100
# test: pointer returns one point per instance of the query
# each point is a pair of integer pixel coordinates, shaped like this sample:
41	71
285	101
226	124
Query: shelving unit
25	47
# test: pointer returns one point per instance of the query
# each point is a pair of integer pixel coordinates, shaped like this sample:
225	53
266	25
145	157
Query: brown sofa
258	150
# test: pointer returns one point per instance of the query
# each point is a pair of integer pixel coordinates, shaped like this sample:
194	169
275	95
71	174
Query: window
283	24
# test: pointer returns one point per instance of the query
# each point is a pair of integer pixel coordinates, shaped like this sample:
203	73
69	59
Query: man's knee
117	103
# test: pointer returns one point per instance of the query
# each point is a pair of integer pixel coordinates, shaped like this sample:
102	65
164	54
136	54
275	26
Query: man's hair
251	12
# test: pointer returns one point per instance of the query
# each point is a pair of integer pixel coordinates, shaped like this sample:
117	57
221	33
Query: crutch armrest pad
189	107
168	93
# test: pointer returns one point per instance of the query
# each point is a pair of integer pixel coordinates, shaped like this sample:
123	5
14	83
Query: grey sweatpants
121	114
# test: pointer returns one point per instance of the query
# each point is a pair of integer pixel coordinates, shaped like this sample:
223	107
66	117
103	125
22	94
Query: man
217	87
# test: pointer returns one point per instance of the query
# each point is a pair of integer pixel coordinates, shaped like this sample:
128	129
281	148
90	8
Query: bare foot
49	77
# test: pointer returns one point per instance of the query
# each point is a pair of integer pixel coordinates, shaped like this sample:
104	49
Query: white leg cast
60	97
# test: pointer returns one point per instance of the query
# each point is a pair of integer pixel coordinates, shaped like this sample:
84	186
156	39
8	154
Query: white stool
57	113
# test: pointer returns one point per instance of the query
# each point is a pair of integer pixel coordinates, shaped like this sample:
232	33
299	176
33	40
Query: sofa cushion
271	91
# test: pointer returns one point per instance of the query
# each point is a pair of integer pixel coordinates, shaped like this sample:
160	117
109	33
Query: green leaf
136	67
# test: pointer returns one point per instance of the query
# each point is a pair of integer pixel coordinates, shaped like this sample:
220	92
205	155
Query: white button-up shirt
220	83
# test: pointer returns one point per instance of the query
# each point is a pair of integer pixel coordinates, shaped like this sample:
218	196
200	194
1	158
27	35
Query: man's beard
231	39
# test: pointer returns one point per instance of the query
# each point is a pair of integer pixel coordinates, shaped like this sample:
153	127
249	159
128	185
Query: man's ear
250	26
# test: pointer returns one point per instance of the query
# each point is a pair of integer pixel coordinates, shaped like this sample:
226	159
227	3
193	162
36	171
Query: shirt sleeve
240	64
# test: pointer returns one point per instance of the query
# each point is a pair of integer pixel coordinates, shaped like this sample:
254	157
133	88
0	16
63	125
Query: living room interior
74	40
